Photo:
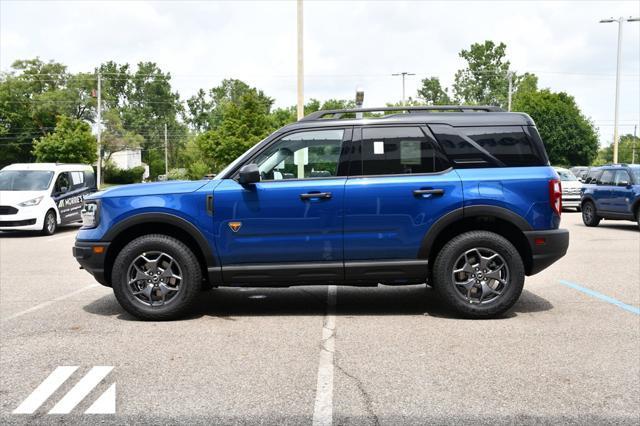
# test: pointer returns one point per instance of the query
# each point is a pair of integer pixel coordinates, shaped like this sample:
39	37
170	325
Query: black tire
50	224
638	216
446	262
190	284
589	215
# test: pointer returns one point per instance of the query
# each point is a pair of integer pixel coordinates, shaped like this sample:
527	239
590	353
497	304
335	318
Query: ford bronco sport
462	198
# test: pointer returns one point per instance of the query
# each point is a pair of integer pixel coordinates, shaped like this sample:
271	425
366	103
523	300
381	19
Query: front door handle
313	195
422	192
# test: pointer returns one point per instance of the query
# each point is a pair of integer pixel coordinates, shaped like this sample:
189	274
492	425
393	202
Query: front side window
398	150
302	155
62	183
606	178
24	180
592	177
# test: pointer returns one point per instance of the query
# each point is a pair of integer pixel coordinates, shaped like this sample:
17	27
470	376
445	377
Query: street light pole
616	136
403	74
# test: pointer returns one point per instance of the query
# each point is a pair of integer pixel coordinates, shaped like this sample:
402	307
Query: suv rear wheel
589	216
479	274
156	277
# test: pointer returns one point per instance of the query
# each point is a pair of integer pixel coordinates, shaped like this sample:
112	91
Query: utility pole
510	77
635	140
99	163
299	158
300	108
359	100
166	152
403	74
616	136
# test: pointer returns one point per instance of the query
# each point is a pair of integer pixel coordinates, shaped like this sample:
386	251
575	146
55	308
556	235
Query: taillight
555	195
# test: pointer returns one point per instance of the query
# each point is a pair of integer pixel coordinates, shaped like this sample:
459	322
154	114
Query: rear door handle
421	192
313	195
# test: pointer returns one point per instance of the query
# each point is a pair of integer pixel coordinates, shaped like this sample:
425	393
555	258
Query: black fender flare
587	198
169	219
466	212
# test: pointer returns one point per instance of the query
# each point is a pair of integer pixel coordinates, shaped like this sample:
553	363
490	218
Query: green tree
628	151
432	93
484	80
70	142
32	94
569	137
115	137
242	123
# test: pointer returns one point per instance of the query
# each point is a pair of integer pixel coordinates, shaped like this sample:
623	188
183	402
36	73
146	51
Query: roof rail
337	113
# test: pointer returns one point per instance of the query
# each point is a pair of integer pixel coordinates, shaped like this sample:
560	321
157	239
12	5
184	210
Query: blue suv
462	198
611	192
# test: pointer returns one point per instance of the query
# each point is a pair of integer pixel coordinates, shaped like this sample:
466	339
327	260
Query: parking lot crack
368	401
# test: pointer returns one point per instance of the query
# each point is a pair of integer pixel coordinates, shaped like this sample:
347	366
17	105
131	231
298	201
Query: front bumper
92	261
571	202
546	247
25	219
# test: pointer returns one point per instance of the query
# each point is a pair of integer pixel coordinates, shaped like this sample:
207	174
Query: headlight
33	202
89	214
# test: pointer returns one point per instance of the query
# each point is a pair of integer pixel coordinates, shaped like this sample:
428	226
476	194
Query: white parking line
323	409
49	302
45	390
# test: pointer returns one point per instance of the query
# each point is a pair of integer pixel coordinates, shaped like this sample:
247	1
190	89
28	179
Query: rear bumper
546	247
91	261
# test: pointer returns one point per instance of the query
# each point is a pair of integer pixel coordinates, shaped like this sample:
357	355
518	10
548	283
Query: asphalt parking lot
385	355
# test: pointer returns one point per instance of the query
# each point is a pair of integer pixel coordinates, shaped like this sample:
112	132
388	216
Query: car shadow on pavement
627	226
63	229
227	302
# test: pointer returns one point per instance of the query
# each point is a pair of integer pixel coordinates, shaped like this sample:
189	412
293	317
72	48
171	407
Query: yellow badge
235	226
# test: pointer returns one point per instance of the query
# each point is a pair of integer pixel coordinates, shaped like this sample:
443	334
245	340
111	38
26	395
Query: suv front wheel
480	274
156	277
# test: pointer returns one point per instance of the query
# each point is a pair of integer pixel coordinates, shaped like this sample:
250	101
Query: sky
347	44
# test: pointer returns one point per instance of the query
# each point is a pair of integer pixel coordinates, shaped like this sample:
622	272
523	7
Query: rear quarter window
509	144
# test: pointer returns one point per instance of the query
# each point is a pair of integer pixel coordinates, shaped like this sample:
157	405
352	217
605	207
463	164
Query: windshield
566	175
25	180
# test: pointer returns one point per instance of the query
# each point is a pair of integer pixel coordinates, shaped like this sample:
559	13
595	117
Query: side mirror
63	189
249	173
623	183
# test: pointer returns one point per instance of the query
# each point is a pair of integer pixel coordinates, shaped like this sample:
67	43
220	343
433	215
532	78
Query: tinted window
606	178
635	170
592	177
302	155
398	150
62	182
509	144
89	178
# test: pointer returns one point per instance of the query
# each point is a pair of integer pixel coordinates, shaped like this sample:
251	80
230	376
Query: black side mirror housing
249	174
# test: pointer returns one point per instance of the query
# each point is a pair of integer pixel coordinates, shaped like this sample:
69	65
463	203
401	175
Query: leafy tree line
46	112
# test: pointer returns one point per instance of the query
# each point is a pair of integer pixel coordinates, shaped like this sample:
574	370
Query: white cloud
347	44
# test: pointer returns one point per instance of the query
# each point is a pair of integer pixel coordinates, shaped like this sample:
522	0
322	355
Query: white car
571	188
42	196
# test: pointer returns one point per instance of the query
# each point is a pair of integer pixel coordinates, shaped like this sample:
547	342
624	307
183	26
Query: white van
41	196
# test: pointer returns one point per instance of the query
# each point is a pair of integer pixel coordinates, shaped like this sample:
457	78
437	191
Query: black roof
453	115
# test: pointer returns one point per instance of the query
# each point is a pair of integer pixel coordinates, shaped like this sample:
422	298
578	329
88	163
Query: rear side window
399	150
89	178
77	179
509	144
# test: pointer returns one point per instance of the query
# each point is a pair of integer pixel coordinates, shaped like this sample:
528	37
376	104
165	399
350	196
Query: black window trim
357	141
346	143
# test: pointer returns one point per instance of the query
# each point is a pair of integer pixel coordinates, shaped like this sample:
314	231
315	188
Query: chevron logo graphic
105	404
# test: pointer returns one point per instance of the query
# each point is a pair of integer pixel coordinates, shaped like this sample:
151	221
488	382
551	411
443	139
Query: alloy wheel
154	278
480	275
